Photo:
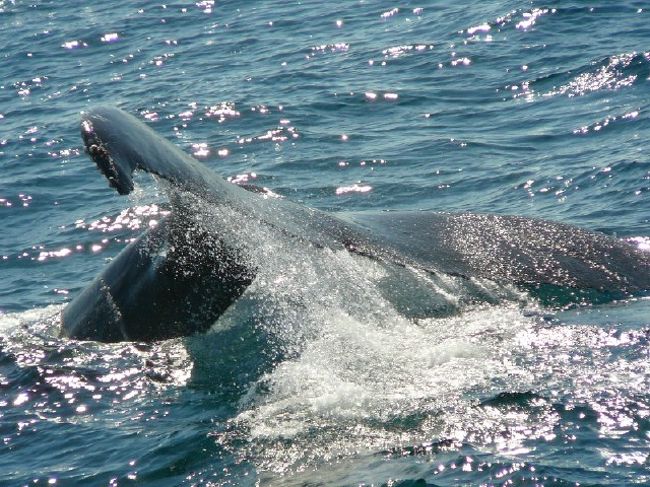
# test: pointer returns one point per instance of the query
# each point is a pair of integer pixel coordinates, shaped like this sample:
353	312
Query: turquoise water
513	107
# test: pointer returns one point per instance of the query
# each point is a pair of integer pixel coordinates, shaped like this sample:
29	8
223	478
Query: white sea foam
44	317
351	366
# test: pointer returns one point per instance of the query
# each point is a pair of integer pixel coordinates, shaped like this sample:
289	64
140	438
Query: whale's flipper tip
119	143
97	127
117	176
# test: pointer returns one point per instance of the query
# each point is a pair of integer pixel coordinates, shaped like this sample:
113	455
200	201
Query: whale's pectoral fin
120	143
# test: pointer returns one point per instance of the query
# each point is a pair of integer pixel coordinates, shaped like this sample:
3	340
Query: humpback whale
179	277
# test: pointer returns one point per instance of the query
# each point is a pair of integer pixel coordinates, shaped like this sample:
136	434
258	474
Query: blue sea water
530	108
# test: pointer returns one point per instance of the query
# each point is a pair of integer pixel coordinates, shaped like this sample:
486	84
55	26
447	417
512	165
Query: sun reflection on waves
222	111
399	51
65	381
281	133
130	220
328	48
601	124
530	18
613	73
133	218
74	44
611	76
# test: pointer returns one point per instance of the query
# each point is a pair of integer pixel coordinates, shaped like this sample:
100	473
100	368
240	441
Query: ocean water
530	108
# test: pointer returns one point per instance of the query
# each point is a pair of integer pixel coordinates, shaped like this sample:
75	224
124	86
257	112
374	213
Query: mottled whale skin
177	278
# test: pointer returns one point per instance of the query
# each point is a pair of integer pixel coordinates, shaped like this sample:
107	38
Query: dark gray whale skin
152	290
175	280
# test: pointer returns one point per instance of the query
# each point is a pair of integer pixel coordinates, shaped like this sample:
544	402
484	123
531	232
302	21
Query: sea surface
533	108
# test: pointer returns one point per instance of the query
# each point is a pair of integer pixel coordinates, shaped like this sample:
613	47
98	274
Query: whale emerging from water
179	277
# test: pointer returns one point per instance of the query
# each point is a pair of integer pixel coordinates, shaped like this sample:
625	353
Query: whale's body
178	278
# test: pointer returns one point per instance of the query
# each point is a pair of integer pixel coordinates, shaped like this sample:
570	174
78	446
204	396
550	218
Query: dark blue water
514	107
